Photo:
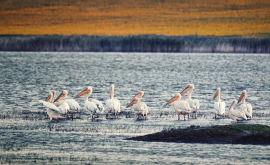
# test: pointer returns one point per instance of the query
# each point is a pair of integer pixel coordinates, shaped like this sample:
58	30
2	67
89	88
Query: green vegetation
134	43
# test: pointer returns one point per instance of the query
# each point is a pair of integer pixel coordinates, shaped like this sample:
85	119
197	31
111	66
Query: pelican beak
131	103
137	95
83	93
48	98
240	98
61	95
215	95
172	100
231	105
185	90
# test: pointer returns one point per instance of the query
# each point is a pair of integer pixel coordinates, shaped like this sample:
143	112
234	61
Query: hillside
128	17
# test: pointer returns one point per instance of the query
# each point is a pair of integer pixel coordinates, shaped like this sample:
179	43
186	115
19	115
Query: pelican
73	105
194	104
245	107
94	107
219	105
181	107
139	107
53	114
112	104
236	115
62	107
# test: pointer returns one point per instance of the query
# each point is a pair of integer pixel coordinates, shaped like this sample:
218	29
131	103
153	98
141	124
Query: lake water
27	77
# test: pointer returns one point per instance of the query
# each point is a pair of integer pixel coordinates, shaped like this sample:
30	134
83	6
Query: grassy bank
134	43
128	17
231	134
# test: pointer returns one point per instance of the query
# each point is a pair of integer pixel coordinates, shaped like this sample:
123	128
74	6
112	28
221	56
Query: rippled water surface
28	77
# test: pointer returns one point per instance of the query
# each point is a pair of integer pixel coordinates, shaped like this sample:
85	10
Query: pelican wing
240	115
219	107
181	105
91	107
141	107
73	105
99	105
113	105
195	104
116	103
54	114
247	109
62	108
49	105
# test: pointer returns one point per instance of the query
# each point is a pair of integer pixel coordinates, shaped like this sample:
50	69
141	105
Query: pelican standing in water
219	105
139	107
94	107
54	111
194	104
236	115
74	107
245	107
181	107
112	104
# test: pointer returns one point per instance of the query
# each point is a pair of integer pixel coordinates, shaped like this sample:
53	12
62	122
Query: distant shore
134	43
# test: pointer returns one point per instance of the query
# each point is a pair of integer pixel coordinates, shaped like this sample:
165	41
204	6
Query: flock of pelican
61	106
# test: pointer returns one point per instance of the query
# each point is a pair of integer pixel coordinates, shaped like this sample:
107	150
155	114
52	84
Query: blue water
27	77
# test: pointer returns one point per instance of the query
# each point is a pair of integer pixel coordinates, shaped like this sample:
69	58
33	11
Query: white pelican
194	104
245	107
112	104
53	114
219	105
139	107
61	107
236	115
73	105
181	107
94	107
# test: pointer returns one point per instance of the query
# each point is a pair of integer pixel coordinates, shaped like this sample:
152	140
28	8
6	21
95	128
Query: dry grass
124	17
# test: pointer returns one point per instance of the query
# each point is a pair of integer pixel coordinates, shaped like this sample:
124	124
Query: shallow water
27	77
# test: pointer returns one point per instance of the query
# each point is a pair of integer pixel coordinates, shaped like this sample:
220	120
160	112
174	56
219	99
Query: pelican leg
143	114
195	115
92	117
223	116
188	116
72	116
215	116
184	116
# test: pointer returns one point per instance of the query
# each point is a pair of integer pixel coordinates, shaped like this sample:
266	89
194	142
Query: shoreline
134	43
255	134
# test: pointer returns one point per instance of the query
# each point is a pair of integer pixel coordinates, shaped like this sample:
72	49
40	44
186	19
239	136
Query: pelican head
139	94
177	97
243	95
62	96
85	91
233	104
134	101
216	94
189	87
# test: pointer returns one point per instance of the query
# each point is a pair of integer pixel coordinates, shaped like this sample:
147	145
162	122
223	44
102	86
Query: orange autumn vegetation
133	17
